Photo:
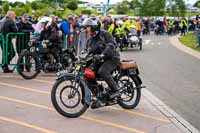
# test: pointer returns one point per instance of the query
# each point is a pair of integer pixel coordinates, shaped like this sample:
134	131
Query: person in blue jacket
66	27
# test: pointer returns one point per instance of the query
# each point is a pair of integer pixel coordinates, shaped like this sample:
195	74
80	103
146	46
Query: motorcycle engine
49	67
50	64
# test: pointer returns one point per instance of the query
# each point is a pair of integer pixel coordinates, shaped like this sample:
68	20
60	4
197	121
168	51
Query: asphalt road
171	75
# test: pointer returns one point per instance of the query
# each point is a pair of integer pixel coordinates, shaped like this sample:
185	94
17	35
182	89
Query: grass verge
190	41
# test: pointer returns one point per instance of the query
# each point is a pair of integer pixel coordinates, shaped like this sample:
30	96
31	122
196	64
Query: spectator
24	26
183	26
34	19
8	26
68	29
77	29
50	33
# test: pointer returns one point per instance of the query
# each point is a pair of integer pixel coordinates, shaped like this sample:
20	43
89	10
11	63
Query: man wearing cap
24	26
8	25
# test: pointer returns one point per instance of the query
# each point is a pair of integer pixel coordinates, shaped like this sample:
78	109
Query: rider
50	33
102	45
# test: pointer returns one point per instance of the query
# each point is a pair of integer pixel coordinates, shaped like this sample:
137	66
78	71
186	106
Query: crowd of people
53	29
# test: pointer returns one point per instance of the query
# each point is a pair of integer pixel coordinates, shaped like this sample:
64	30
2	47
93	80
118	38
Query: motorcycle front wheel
67	98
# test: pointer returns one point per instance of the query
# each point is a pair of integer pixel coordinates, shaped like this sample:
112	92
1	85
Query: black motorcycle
38	57
73	93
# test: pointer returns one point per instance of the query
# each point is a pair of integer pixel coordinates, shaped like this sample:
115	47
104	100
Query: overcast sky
111	1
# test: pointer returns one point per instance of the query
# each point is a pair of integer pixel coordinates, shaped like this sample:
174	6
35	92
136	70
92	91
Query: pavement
26	105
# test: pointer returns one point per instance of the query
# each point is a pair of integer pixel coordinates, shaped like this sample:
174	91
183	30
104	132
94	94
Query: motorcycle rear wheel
24	63
131	91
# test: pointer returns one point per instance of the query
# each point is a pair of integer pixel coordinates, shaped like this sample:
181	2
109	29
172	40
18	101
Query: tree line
152	7
67	7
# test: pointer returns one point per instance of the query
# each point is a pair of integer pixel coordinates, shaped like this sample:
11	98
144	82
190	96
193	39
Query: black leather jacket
103	43
8	26
51	34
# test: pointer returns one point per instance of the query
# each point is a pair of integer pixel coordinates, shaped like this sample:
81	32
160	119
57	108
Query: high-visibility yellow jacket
111	28
183	22
171	23
127	25
120	30
133	22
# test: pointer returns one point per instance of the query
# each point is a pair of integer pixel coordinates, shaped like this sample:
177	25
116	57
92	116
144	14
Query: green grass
190	41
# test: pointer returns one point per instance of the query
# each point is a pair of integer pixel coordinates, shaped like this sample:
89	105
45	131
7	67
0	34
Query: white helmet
120	22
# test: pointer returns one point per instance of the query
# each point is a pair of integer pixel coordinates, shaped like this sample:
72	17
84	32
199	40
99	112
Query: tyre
140	44
68	62
130	97
28	65
65	88
121	46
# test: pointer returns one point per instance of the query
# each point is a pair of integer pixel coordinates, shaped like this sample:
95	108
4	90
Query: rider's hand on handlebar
98	57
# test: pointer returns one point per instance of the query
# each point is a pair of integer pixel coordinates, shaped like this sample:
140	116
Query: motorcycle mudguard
138	78
85	89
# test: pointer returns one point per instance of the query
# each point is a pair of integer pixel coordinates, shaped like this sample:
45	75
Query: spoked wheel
67	98
68	62
27	65
130	97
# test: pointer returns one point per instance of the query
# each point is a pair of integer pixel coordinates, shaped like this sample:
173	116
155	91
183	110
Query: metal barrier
21	42
2	50
14	43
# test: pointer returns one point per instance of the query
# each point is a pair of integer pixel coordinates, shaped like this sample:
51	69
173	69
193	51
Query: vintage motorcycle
39	57
133	39
73	93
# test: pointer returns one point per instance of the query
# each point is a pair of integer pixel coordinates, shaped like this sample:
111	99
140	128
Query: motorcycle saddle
128	64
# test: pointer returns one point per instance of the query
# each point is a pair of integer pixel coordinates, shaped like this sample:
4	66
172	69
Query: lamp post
106	8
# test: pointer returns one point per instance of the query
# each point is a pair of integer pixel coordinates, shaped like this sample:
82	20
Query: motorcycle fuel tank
88	73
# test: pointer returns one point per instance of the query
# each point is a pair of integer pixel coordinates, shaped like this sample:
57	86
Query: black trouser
105	72
183	30
11	53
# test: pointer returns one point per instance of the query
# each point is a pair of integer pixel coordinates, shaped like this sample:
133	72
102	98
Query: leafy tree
35	5
158	7
182	7
122	8
177	8
19	11
1	10
135	4
72	5
15	4
197	4
146	7
88	12
6	7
